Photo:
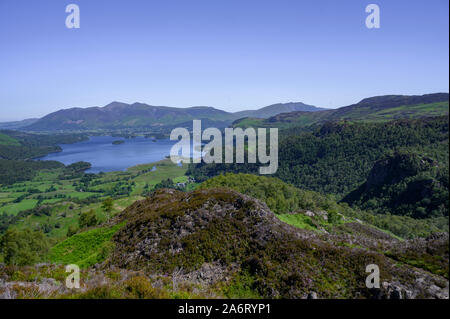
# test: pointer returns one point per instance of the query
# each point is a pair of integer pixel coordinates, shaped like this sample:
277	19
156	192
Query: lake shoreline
104	156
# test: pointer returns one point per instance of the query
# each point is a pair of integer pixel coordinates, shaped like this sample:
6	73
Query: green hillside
336	158
84	249
376	109
8	140
291	203
420	183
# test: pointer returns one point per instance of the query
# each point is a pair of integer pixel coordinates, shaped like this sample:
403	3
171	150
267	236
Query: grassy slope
298	220
403	111
7	140
285	199
366	114
248	122
84	249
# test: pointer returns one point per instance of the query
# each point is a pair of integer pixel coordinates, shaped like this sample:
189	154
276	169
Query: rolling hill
278	108
15	125
219	242
374	109
338	157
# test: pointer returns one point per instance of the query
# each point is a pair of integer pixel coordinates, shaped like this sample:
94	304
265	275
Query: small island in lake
118	142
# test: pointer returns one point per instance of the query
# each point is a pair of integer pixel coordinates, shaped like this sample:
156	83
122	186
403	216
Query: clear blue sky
231	54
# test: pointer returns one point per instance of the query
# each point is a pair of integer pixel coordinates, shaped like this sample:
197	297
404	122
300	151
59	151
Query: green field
362	113
404	112
66	199
7	140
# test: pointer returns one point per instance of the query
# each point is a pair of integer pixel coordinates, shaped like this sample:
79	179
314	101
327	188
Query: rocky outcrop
215	241
212	236
403	183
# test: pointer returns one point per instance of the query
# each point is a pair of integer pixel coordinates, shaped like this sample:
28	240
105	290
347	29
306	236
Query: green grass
164	169
84	249
14	208
241	287
139	175
65	211
248	122
7	140
298	220
412	111
365	114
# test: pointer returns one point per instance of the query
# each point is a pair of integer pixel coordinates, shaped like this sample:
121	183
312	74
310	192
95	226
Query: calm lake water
106	157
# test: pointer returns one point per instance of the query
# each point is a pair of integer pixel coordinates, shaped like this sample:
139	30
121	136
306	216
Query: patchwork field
53	205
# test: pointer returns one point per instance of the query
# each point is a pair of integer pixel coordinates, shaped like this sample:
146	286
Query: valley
362	184
54	199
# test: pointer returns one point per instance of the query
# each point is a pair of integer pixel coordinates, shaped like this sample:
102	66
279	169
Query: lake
106	157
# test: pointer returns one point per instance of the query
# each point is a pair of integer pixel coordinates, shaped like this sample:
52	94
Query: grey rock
312	295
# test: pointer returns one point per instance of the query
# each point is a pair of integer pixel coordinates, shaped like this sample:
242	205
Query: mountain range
117	115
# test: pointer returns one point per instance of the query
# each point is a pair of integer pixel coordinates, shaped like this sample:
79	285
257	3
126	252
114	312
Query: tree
334	217
23	247
107	205
72	230
167	183
88	219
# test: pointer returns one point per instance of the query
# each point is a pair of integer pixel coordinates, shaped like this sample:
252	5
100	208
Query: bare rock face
420	289
217	236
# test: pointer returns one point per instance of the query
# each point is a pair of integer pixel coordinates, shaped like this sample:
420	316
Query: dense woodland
17	150
337	158
283	198
12	171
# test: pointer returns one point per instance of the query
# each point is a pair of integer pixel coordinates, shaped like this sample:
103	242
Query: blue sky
231	54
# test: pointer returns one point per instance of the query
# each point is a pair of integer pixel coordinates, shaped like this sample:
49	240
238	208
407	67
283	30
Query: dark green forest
337	158
17	150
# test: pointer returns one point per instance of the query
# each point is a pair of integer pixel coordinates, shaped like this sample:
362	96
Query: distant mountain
15	125
379	108
395	106
275	109
117	115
